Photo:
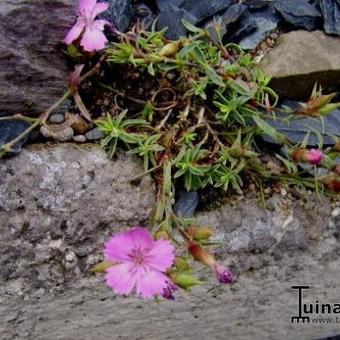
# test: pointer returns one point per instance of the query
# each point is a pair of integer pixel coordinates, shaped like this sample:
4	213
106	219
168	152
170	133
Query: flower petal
74	32
119	247
99	8
121	278
161	256
142	238
150	284
99	24
93	40
86	7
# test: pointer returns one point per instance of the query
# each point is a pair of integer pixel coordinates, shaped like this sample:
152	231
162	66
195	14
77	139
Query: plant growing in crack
194	111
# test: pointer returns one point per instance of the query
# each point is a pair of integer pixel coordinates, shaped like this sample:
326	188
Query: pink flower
93	38
223	274
141	263
314	156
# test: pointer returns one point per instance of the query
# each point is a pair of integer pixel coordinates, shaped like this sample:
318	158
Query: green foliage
117	129
200	127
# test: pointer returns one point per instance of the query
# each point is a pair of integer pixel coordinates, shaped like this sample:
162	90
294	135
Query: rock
331	15
10	129
142	13
94	134
172	18
56	118
258	306
264	22
201	9
163	4
186	204
299	13
310	57
296	129
119	14
79	138
57	132
33	73
61	200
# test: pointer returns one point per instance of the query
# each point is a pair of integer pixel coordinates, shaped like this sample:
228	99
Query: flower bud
312	156
200	254
184	280
75	78
182	264
223	274
162	235
169	49
102	266
202	233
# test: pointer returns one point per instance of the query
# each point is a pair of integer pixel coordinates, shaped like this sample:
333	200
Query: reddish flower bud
312	156
200	254
223	274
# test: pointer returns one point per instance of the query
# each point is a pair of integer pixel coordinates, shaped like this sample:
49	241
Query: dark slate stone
186	204
141	12
242	28
233	13
119	14
256	4
172	18
296	129
10	129
203	9
252	26
265	21
163	4
331	15
299	13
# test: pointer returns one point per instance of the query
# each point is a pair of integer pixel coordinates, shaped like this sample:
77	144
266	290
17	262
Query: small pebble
79	138
57	118
70	257
274	36
94	134
283	192
336	213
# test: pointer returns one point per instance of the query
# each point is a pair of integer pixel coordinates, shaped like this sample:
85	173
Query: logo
316	311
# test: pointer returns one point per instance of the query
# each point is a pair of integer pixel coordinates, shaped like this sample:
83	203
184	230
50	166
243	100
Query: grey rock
186	204
57	133
331	14
201	9
56	118
94	134
33	73
258	306
59	200
301	14
10	129
263	28
163	4
310	57
119	14
297	129
172	18
79	138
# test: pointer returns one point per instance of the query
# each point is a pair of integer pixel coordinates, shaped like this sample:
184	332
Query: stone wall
33	70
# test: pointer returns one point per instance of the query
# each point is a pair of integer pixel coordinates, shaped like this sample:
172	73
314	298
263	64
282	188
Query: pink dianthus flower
141	263
93	38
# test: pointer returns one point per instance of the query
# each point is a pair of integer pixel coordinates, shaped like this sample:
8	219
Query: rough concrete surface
48	292
299	60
